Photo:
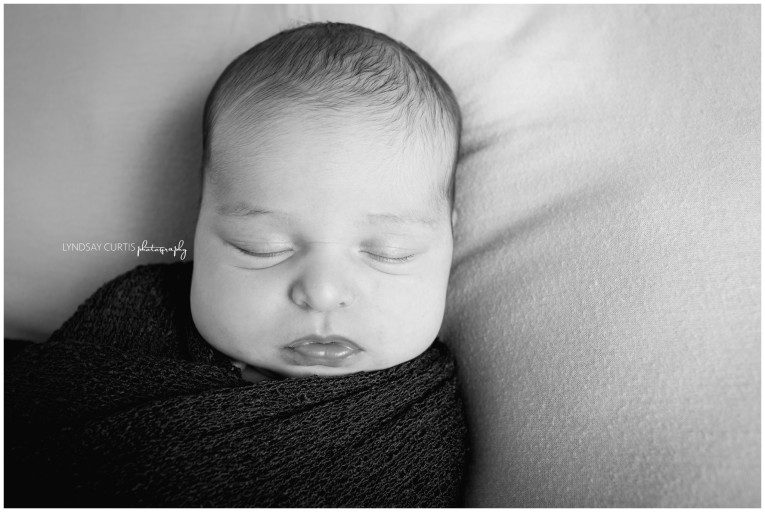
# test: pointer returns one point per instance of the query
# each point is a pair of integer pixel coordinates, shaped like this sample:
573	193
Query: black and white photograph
382	256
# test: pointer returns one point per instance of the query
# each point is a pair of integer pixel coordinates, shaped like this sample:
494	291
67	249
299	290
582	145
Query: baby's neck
252	374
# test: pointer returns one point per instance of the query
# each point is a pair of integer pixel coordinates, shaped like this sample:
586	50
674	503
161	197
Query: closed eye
274	254
388	259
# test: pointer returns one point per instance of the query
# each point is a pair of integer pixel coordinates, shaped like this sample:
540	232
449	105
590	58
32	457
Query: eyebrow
243	210
403	218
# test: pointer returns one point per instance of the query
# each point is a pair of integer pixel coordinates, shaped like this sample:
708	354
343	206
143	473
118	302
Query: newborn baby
293	363
324	240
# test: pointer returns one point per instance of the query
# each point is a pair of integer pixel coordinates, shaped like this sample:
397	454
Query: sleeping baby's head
324	240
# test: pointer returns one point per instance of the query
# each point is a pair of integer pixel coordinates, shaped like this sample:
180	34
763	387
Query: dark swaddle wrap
127	405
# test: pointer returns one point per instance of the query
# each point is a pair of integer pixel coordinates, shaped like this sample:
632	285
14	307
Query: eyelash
386	259
263	254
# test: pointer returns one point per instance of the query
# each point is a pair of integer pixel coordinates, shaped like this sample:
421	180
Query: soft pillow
604	303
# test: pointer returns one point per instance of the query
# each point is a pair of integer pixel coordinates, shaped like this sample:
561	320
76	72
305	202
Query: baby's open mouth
321	350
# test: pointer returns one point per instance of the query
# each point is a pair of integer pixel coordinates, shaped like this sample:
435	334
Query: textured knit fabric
127	405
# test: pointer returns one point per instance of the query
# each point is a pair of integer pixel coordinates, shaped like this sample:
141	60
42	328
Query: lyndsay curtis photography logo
176	250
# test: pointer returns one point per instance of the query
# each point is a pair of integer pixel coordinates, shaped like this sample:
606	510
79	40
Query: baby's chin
301	371
294	371
252	373
258	373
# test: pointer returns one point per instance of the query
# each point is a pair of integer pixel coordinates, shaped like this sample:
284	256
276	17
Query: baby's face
322	246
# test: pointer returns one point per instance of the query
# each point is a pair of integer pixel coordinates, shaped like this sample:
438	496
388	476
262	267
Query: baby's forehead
315	187
289	144
266	133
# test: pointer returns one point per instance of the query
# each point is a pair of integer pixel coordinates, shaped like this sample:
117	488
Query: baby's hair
337	66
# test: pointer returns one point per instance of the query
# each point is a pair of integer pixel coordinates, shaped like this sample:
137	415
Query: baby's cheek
415	306
239	300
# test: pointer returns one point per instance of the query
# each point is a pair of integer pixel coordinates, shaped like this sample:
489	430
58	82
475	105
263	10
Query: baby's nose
323	286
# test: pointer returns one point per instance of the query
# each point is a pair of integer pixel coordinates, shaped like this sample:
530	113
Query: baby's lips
328	351
322	351
324	340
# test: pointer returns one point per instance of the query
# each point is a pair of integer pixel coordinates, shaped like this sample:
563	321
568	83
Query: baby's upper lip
313	338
